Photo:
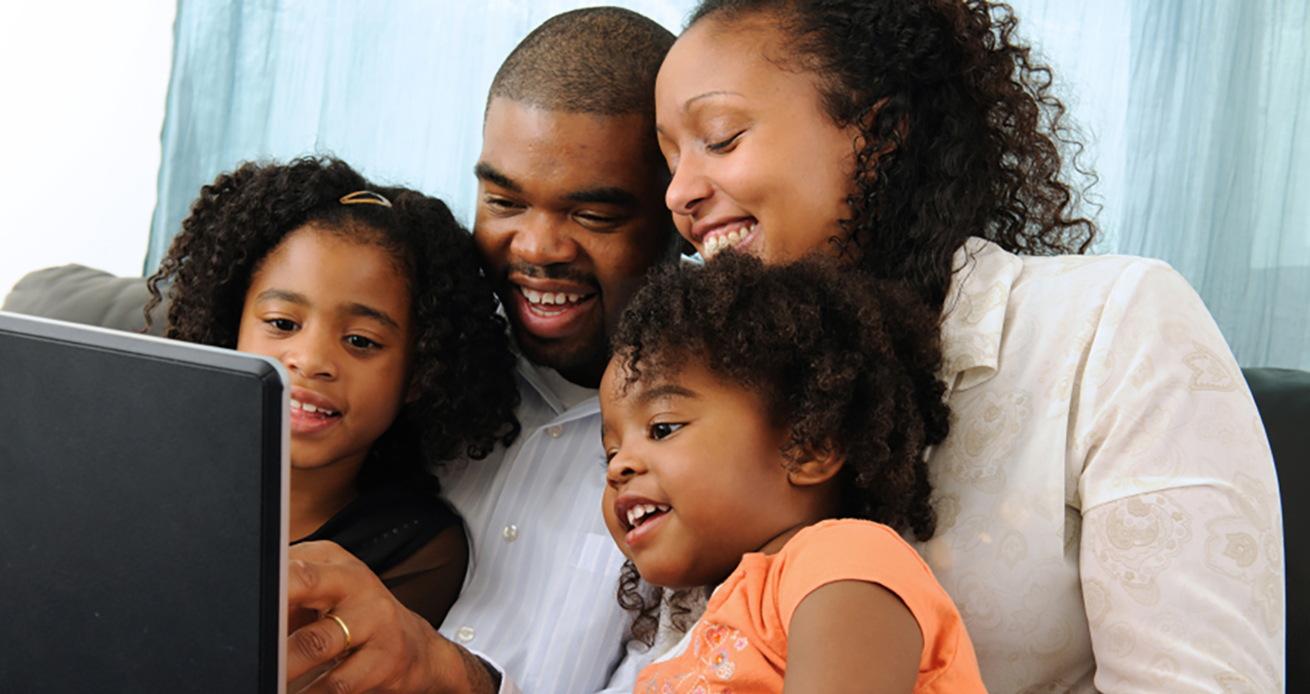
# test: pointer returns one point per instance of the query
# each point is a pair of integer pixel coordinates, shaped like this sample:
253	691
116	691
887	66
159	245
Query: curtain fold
1197	116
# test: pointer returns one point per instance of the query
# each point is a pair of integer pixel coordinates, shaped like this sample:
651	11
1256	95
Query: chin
564	357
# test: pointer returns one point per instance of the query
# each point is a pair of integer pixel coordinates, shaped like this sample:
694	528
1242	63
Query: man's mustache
550	272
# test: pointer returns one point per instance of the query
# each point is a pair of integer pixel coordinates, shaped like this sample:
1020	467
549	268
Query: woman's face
757	164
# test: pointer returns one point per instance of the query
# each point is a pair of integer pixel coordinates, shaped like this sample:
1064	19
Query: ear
412	393
813	465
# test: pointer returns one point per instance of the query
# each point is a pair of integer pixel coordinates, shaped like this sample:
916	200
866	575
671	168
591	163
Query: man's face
570	217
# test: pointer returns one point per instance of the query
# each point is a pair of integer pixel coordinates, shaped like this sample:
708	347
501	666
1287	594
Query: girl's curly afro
846	362
463	368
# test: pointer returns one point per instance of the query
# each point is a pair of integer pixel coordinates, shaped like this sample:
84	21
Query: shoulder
847	550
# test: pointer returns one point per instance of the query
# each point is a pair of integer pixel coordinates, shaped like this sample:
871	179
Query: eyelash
724	144
358	342
672	426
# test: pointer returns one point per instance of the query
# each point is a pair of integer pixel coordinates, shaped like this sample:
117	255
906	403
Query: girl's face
757	164
696	476
336	313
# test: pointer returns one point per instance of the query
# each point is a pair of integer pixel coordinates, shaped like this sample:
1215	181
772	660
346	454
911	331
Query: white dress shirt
1108	512
539	601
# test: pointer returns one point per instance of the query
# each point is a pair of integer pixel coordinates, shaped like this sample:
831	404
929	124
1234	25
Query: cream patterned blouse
1108	510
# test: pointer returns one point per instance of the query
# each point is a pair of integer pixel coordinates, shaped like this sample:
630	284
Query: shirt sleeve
1181	537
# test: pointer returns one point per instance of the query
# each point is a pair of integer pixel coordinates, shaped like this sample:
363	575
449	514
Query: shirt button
555	432
510	533
465	634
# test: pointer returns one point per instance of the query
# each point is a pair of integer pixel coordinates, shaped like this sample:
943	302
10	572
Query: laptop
143	498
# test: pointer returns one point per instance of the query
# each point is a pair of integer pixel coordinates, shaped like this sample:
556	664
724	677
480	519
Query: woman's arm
852	636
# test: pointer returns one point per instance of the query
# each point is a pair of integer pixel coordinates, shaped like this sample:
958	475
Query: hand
391	649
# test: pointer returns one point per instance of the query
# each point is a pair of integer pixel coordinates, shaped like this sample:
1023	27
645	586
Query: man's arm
391	649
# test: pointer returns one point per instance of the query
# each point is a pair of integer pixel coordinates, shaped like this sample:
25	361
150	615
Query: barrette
365	197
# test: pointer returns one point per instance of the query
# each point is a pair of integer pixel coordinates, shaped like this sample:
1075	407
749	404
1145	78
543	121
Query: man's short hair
597	60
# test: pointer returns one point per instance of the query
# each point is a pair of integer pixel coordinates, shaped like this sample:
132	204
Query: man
570	217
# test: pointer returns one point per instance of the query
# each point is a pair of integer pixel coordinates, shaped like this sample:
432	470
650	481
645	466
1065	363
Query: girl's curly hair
960	134
463	368
848	363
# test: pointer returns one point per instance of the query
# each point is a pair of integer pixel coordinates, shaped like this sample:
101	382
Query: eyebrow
487	172
604	195
668	390
353	309
686	105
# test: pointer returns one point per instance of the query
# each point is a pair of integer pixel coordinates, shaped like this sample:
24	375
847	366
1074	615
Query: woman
1107	507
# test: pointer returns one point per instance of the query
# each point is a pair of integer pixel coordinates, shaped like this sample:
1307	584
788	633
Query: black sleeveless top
387	524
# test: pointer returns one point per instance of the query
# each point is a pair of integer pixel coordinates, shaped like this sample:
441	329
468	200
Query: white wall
80	116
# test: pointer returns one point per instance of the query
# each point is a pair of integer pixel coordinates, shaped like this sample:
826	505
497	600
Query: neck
317	495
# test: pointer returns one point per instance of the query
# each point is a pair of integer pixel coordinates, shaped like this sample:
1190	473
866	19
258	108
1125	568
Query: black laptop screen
141	501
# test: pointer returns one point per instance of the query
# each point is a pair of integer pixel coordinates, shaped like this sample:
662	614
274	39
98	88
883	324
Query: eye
361	342
724	145
500	205
664	429
282	324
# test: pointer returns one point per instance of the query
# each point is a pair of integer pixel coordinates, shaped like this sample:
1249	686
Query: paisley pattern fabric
1108	509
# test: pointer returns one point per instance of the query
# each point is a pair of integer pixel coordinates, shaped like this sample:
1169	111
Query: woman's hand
389	648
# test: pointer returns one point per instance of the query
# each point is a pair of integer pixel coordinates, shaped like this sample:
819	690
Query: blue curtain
1197	116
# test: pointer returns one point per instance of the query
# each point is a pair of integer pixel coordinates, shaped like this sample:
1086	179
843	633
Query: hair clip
365	197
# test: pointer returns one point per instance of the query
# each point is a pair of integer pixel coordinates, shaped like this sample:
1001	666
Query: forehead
336	268
555	151
747	55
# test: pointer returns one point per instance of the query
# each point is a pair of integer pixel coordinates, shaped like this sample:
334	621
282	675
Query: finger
324	551
314	645
365	670
321	585
298	617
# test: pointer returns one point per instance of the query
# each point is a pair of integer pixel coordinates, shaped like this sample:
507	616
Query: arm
1180	558
852	636
391	648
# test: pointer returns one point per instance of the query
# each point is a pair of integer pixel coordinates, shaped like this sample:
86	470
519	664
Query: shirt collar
973	316
533	375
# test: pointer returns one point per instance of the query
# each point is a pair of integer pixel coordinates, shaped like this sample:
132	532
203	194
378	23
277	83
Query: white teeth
717	243
556	298
637	513
304	406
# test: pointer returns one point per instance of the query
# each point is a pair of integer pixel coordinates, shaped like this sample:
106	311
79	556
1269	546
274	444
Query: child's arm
852	636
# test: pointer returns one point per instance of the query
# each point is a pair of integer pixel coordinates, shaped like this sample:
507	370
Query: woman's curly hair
463	368
960	134
846	362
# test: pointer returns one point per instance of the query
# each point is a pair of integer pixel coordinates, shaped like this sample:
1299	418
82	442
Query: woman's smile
757	164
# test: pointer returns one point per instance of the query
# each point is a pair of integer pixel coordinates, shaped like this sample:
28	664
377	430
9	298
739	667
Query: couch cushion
79	294
1283	396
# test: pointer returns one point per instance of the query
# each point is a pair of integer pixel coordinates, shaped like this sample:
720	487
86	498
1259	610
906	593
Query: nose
688	188
623	467
310	354
541	240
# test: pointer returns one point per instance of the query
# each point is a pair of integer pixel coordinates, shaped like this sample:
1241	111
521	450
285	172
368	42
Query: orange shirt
740	644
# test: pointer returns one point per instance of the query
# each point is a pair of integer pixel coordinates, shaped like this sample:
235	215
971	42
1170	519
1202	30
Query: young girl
746	409
371	298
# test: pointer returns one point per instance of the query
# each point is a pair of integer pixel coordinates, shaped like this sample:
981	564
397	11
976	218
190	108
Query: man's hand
390	649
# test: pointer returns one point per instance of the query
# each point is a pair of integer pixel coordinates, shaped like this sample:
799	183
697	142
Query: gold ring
345	629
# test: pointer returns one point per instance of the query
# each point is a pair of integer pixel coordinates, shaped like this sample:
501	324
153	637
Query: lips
639	517
550	310
715	237
312	412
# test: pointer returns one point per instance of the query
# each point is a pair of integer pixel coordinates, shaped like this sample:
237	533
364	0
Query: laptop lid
142	506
